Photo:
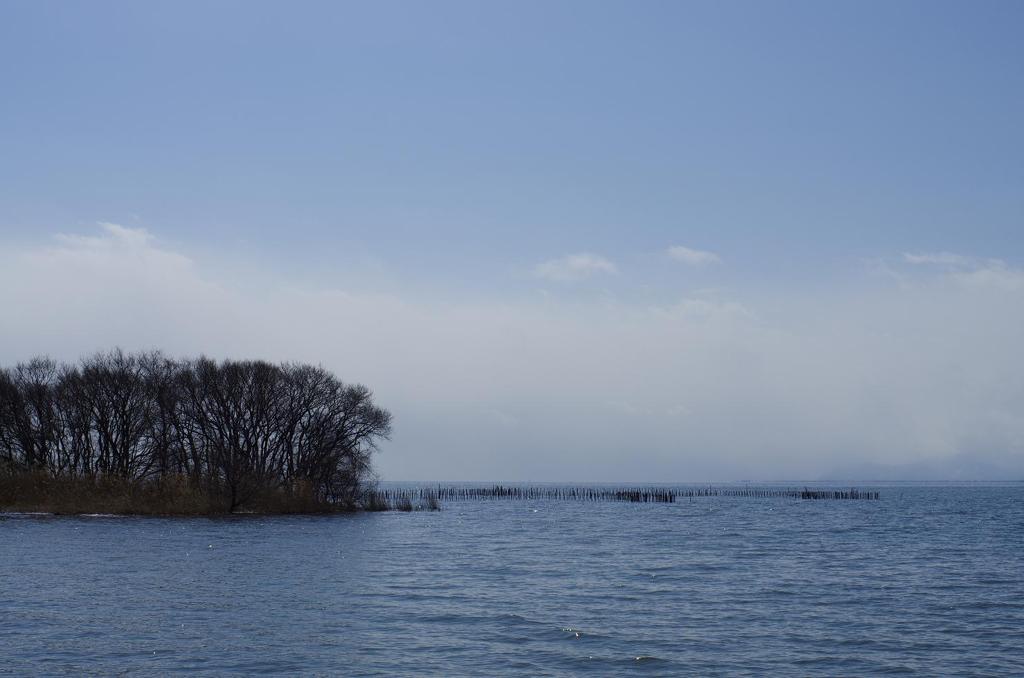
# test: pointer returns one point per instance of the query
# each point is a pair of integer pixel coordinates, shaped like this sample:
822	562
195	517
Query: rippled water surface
928	580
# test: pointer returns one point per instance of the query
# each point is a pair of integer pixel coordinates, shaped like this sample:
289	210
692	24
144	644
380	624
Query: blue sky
457	141
541	157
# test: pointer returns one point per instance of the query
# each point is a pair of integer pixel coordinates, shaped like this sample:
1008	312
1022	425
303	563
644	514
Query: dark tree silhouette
242	431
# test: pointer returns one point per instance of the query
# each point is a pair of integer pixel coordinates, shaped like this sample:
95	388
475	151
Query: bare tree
237	428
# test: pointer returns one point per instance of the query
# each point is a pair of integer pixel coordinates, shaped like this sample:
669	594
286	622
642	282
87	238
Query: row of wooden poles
633	494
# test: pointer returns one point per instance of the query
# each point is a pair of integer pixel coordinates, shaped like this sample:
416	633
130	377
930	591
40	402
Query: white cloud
693	257
710	387
114	235
697	307
976	272
936	258
996	275
574	267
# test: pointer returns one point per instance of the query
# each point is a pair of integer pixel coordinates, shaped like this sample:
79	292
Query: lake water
927	581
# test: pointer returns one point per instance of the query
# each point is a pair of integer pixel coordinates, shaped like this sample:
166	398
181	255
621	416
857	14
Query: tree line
238	430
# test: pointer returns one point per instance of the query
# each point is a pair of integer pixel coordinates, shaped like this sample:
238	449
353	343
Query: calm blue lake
929	580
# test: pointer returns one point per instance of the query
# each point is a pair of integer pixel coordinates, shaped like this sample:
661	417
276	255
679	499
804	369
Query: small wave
573	633
647	659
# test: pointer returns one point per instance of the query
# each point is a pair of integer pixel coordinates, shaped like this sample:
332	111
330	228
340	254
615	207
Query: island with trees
142	433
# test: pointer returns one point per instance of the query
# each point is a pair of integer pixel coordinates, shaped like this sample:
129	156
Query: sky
592	241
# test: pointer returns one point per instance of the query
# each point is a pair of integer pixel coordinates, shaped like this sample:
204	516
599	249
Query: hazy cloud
973	271
714	386
693	257
574	267
937	258
995	274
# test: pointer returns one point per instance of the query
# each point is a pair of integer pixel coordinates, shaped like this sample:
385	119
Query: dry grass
174	495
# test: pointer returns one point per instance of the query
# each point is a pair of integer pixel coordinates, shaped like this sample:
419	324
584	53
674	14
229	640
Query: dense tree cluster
234	428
